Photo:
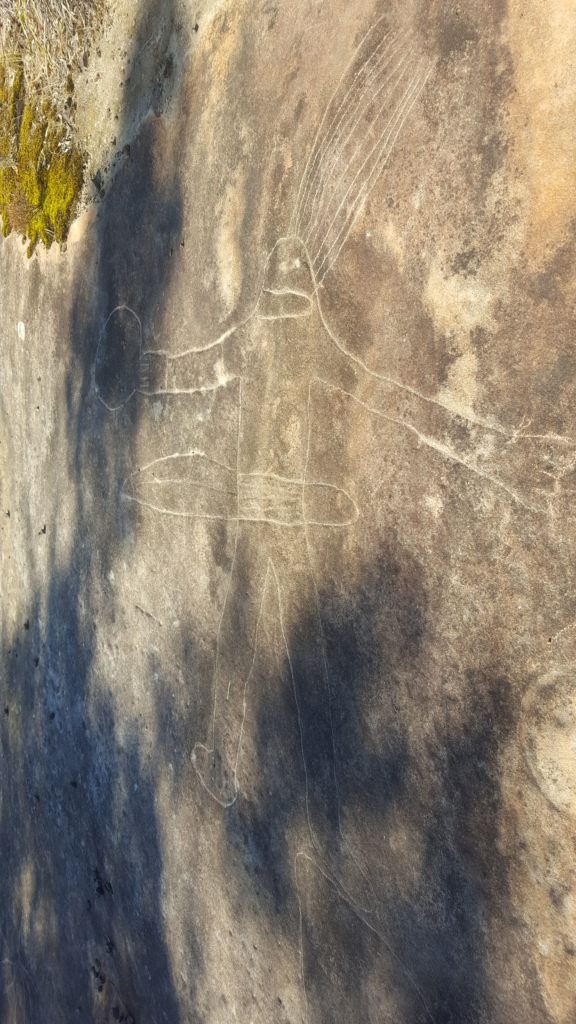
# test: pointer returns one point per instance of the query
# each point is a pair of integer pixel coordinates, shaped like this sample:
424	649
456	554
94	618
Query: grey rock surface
287	450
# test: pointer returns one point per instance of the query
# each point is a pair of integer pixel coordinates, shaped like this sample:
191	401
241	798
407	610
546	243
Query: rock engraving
277	358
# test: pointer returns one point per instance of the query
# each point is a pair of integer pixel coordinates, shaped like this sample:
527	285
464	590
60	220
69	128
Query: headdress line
355	139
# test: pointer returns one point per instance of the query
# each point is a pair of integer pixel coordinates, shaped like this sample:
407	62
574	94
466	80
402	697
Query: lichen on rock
41	171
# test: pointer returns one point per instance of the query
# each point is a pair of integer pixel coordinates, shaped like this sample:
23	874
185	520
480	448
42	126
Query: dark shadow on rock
257	829
442	931
82	931
368	775
121	288
423	947
81	904
373	634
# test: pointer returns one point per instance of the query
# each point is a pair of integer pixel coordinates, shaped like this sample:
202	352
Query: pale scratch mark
565	629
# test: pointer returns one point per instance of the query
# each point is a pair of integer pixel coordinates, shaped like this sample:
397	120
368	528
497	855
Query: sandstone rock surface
287	452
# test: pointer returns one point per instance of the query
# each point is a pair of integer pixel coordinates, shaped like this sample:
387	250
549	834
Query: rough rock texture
287	444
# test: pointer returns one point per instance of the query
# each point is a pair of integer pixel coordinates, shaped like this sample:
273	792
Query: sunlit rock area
288	553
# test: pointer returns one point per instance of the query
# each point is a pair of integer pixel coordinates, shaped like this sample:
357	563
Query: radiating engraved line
384	141
365	190
337	162
318	135
320	146
336	175
354	188
328	194
352	116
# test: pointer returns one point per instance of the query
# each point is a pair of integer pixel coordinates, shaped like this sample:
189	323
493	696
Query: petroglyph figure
277	358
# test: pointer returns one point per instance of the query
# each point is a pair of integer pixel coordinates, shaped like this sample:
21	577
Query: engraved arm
529	467
186	372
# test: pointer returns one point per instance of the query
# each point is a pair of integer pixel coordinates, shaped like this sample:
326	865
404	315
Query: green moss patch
41	172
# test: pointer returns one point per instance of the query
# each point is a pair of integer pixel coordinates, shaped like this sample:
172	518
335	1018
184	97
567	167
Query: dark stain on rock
493	149
454	35
466	263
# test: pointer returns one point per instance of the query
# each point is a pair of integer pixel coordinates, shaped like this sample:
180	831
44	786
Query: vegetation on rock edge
41	171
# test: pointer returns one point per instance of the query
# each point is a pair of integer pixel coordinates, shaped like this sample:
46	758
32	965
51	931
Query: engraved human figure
278	356
275	355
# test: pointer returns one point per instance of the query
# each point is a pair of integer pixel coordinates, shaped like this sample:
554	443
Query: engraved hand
152	373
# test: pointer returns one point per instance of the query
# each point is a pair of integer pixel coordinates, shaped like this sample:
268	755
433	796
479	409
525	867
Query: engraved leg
216	761
306	653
